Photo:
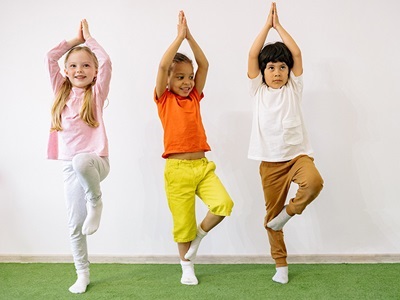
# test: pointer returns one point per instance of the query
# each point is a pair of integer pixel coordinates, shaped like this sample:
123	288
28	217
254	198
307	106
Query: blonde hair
86	112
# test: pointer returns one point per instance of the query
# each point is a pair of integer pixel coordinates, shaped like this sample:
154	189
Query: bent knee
315	186
224	208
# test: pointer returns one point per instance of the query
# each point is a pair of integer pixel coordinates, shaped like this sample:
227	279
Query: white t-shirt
278	132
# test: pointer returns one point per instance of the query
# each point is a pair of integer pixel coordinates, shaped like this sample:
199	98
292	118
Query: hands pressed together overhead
82	35
183	29
273	19
83	31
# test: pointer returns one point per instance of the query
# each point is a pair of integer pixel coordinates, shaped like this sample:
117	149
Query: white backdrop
351	105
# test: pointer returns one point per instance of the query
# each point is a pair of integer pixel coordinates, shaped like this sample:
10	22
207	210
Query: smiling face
80	68
181	79
276	74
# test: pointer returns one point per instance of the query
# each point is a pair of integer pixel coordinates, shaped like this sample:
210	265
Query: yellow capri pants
184	179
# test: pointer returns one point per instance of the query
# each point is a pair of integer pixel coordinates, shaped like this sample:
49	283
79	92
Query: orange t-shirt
181	120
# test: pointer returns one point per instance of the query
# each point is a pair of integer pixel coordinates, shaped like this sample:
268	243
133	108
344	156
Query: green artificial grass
238	281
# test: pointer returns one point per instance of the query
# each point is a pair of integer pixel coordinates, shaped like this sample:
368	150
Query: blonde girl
78	137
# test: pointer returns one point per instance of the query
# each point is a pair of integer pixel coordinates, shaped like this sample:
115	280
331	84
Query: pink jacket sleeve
56	79
102	86
52	58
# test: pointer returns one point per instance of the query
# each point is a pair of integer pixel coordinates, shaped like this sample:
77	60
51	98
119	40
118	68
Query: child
279	138
78	137
188	173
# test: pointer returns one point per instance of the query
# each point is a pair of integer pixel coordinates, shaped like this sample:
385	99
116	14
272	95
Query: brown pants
276	178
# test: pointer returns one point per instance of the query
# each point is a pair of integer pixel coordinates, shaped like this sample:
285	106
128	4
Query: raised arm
166	60
53	56
103	77
253	68
290	43
201	60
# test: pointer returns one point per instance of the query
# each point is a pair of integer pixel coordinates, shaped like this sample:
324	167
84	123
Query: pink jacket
76	136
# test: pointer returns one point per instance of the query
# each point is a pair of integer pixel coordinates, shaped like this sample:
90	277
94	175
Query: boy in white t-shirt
279	138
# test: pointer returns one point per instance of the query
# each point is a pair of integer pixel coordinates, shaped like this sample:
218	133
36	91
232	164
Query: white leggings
82	177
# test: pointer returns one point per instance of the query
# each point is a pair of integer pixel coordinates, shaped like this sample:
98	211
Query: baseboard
209	259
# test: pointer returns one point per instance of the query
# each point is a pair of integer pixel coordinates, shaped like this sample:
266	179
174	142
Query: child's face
181	79
80	69
276	74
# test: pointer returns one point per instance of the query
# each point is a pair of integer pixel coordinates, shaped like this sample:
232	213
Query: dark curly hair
179	58
274	52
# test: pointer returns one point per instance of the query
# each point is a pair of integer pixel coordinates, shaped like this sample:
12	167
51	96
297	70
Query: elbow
163	68
296	54
107	59
253	56
206	65
203	66
105	63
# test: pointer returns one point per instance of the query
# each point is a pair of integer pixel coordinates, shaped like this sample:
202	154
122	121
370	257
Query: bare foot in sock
81	283
92	221
281	275
188	275
280	220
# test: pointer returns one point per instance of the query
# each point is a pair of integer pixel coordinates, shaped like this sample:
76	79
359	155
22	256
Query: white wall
351	104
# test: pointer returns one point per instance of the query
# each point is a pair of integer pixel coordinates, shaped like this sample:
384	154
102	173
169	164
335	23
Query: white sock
281	275
81	283
194	245
279	221
93	217
188	276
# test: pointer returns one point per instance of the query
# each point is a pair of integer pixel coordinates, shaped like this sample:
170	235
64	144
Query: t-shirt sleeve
296	82
255	84
195	94
161	98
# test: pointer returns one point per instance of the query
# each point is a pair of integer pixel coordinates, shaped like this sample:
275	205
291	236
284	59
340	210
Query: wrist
268	25
180	38
74	42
